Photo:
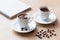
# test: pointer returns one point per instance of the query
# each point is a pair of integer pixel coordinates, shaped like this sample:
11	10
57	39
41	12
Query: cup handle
51	10
30	19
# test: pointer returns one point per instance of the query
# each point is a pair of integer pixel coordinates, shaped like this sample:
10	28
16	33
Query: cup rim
18	15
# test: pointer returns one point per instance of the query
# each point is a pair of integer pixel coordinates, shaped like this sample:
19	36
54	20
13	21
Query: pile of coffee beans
45	33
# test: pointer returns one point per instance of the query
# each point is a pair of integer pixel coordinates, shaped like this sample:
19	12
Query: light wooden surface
6	33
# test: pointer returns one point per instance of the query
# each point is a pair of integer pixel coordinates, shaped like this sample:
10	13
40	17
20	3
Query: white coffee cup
24	20
44	12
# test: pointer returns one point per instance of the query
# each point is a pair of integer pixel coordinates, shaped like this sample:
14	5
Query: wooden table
6	33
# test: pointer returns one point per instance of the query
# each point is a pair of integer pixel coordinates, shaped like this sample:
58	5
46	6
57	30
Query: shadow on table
53	25
30	34
13	17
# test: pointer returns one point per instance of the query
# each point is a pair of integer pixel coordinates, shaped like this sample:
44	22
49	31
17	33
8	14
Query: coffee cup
24	20
44	12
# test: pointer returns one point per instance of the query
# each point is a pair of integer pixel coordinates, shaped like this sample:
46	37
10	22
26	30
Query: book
12	7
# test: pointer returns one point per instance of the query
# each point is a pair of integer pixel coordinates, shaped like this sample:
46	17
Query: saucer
38	19
16	27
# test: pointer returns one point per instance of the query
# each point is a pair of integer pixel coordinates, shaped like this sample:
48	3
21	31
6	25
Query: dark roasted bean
40	37
43	35
50	35
54	34
53	24
42	30
48	30
40	34
37	32
36	35
53	30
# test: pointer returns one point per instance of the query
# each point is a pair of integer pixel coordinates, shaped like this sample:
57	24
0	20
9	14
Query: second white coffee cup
44	12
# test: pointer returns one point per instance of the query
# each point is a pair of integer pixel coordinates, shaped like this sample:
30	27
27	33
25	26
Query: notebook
12	7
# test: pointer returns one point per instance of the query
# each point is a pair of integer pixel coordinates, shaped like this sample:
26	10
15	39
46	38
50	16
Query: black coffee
23	16
44	9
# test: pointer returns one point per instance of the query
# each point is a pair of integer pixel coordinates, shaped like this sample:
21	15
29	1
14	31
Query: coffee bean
43	35
48	30
47	35
53	24
50	35
37	32
42	30
53	30
40	37
36	35
54	34
40	34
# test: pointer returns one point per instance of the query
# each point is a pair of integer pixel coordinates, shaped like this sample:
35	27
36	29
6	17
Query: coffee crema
44	9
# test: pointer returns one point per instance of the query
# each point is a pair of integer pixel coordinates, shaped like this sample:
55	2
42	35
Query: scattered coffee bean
44	32
41	30
43	35
40	37
40	34
50	35
46	35
37	32
54	34
36	35
53	30
48	30
53	24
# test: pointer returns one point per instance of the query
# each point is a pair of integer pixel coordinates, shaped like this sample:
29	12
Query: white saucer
38	19
16	27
